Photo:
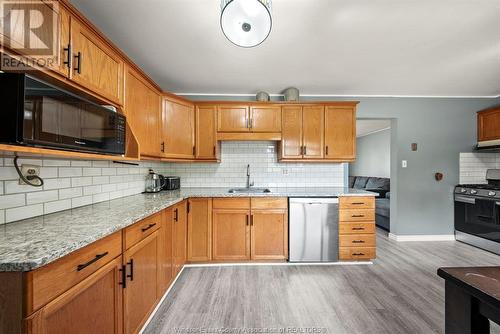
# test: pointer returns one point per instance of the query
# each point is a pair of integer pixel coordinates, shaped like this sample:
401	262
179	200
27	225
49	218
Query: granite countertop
31	243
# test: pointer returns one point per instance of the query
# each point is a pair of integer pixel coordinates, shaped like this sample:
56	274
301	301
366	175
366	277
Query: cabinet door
165	245
95	65
265	119
63	51
178	130
180	236
140	293
291	142
340	133
142	108
488	125
233	119
199	245
92	306
313	127
269	235
206	136
231	234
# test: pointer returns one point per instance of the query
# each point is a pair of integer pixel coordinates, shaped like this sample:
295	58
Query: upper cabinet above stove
488	128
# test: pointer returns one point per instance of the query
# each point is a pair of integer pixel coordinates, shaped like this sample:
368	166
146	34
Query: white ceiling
364	127
323	47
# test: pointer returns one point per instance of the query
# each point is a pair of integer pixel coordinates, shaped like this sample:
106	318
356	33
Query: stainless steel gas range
477	213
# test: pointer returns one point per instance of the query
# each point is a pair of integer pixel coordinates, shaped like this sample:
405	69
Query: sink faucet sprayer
249	184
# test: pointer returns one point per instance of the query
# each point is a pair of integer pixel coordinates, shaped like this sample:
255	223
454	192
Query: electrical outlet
29	170
285	171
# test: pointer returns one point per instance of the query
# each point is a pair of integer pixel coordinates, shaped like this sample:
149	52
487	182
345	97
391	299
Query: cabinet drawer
135	233
356	228
231	203
357	253
356	215
357	240
50	281
269	203
357	202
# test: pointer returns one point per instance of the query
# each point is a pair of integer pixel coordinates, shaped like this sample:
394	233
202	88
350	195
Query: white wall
265	169
373	156
473	166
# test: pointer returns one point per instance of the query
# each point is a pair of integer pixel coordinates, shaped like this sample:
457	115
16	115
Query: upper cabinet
233	118
142	109
94	64
488	125
265	119
206	147
177	130
319	132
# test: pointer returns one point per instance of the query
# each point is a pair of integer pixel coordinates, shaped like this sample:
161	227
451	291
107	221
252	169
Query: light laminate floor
399	293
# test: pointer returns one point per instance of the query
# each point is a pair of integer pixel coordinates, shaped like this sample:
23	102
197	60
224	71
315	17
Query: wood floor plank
399	293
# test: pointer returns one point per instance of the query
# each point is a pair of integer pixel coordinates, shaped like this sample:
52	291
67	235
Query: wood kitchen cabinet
179	236
140	293
265	119
199	229
178	129
233	118
165	251
142	108
206	147
94	64
92	306
231	234
302	132
340	133
488	125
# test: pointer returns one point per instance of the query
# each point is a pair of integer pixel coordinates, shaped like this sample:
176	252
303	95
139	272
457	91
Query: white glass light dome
246	23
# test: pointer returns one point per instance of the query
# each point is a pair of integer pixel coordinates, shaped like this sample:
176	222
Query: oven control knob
492	193
473	192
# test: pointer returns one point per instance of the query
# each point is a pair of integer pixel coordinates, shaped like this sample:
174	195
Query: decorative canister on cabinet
291	94
262	96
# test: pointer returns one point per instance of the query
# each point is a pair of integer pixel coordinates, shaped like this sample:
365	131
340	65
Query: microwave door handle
463	199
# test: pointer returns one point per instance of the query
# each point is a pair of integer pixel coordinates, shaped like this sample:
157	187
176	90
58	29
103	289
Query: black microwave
36	113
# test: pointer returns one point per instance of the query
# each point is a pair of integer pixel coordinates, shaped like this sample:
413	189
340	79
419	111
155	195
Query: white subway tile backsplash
81	163
48	172
42	196
13	187
81	181
56	163
70	171
473	166
100	197
91	171
2	216
70	192
100	179
81	201
56	183
51	207
23	212
12	201
91	190
8	173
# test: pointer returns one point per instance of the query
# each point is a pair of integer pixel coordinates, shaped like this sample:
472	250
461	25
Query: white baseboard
160	302
437	237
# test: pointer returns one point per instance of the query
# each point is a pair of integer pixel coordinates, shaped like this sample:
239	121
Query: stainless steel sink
249	190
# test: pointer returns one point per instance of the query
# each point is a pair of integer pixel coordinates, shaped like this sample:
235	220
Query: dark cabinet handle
357	216
247	219
358	242
131	264
68	56
214	150
123	272
358	228
302	150
162	146
95	259
305	150
176	215
194	150
78	67
326	150
144	229
358	254
251	220
358	203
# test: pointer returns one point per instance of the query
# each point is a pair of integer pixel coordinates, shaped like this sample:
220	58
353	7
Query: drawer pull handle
358	228
358	203
131	264
358	254
357	216
144	229
358	241
176	215
123	272
95	259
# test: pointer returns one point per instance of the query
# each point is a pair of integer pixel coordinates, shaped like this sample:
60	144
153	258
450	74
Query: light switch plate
404	163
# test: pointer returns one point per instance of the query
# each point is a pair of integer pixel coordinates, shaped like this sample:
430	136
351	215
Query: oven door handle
464	199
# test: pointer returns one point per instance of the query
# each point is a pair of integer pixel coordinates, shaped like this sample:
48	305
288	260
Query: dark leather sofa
382	186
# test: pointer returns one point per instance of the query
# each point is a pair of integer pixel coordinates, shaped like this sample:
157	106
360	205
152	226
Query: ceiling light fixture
246	23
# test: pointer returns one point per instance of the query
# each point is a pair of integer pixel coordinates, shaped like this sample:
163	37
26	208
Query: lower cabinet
179	236
231	234
92	306
165	252
199	242
141	265
269	235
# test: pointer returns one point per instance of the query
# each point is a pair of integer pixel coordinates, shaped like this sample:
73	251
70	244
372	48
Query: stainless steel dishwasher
314	229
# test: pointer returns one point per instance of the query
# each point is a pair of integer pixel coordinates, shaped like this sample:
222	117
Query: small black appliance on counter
171	182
